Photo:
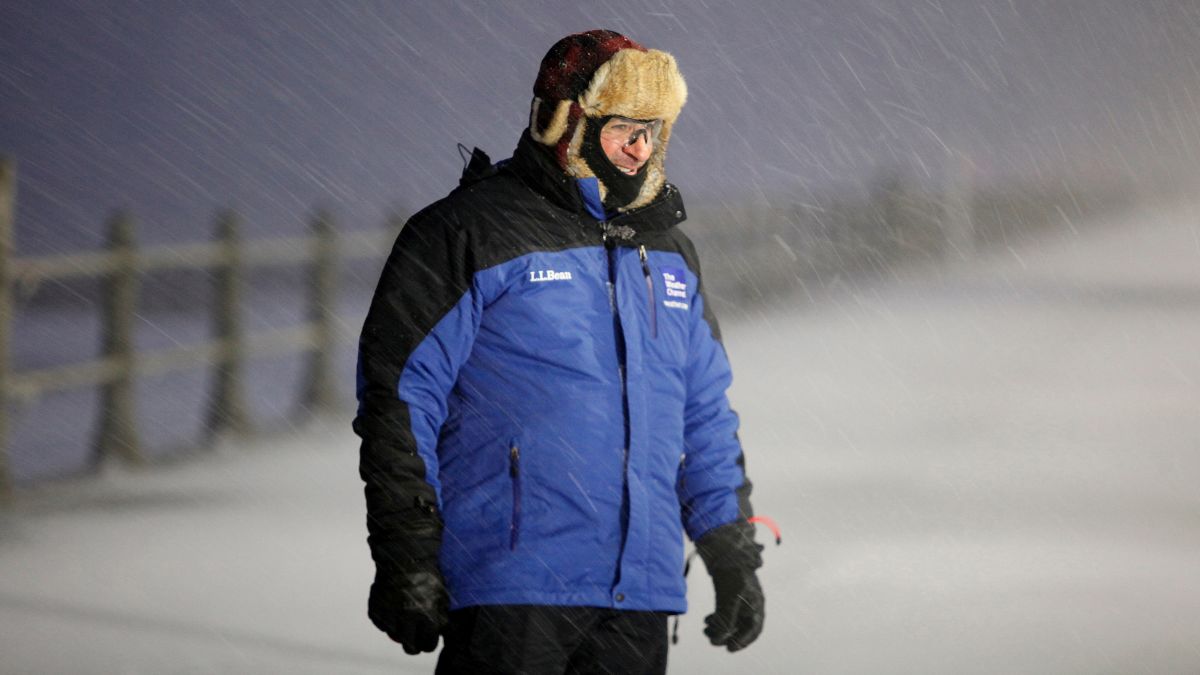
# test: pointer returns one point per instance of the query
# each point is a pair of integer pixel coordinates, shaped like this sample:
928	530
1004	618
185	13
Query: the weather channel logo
676	284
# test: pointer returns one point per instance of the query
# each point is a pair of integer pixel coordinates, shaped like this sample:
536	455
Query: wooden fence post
118	424
321	393
8	200
227	407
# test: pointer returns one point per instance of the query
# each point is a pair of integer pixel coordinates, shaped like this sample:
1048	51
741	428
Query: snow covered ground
985	469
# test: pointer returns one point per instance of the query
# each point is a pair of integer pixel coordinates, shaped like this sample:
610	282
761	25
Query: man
542	396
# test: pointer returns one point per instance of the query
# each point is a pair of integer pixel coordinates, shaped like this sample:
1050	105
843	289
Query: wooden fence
122	266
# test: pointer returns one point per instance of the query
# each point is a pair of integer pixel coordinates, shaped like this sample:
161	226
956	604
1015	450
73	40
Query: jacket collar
538	170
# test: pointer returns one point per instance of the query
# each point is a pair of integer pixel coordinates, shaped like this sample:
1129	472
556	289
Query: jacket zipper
514	471
610	253
610	247
649	293
609	256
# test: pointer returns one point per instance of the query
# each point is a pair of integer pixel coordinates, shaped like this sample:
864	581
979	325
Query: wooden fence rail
121	365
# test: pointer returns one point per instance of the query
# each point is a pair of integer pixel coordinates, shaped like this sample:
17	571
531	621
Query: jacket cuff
730	547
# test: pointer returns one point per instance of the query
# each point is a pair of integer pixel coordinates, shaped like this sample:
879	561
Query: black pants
537	640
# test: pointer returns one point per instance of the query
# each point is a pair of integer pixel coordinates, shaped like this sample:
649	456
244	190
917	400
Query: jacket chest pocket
667	309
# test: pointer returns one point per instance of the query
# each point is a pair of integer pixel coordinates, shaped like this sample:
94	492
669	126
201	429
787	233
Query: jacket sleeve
418	332
713	487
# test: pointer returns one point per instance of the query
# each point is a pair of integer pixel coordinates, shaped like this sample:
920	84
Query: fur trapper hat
588	76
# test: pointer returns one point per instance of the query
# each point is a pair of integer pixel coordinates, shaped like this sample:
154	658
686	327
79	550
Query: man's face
628	143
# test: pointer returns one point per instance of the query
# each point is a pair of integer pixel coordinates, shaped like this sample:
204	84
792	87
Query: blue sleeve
430	373
713	488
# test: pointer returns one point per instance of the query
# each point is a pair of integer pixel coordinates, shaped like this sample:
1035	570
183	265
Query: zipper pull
645	264
606	236
514	461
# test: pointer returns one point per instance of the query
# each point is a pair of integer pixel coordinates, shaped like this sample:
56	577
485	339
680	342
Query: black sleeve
425	286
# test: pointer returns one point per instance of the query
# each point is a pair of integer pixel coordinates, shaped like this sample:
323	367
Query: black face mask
621	189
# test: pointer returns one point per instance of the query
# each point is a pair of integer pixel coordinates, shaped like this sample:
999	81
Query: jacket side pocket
514	472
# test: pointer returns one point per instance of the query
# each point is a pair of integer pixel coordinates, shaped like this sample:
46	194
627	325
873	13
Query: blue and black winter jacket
552	386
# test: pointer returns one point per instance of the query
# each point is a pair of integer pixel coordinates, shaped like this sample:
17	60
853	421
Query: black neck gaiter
621	189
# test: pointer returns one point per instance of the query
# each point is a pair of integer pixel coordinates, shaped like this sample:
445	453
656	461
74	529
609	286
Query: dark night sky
274	108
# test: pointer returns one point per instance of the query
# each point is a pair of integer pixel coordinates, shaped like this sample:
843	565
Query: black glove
408	598
731	556
411	607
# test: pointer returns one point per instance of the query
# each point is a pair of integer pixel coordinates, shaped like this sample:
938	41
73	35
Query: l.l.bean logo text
537	276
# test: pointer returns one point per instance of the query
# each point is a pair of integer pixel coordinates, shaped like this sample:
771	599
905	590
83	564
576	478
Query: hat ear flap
554	129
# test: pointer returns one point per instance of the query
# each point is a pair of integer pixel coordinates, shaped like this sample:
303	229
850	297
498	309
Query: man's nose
641	148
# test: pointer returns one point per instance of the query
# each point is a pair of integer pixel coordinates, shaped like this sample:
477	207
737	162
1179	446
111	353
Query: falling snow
957	280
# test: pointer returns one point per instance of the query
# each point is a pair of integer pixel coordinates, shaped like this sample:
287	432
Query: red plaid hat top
568	67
